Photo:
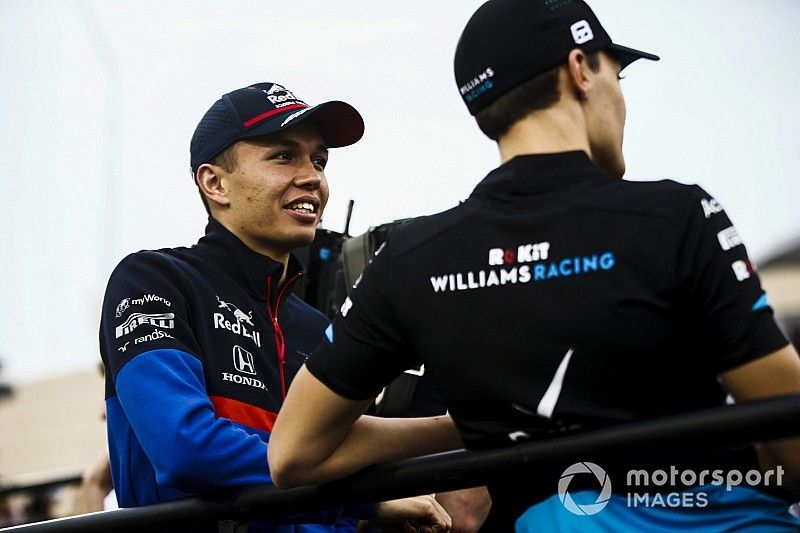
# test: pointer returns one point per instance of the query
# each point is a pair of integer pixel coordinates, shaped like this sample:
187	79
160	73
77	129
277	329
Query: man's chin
301	239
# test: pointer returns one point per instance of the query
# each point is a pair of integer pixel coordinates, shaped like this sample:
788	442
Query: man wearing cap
201	343
556	299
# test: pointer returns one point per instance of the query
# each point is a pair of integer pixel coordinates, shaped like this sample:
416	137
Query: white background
98	101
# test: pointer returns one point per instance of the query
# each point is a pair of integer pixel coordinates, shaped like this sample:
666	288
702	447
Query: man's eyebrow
289	143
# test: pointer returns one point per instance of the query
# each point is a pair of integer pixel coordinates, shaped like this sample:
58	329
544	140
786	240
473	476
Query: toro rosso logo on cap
280	96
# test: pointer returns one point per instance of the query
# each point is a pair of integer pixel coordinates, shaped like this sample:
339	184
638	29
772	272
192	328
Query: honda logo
243	360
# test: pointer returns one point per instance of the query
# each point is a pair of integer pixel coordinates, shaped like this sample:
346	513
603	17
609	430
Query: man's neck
282	258
258	247
559	128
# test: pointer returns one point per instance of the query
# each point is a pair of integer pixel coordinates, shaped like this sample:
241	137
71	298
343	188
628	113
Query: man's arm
772	375
320	436
162	395
157	393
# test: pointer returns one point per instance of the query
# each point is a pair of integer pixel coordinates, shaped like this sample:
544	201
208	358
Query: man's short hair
226	159
539	92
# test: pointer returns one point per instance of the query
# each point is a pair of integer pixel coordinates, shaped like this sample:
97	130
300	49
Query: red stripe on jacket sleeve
244	413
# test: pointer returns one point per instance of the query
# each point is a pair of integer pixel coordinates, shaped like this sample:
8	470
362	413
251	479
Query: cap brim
340	123
626	55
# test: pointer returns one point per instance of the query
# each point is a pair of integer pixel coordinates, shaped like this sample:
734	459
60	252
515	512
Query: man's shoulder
421	230
173	268
156	260
661	186
664	197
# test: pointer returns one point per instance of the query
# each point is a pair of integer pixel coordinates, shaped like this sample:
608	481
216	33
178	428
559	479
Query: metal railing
715	429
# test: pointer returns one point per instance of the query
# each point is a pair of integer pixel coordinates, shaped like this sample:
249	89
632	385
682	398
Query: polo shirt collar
247	267
540	172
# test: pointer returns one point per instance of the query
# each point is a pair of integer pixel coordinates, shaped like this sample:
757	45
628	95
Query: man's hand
467	507
419	514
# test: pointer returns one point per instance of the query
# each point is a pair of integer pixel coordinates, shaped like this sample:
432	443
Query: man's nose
309	177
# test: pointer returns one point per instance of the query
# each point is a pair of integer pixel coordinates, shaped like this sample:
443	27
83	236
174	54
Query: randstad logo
590	508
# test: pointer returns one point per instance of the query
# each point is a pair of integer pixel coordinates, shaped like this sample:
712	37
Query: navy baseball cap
507	42
264	108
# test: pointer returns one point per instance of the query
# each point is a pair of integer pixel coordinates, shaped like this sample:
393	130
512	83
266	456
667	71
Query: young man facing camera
200	344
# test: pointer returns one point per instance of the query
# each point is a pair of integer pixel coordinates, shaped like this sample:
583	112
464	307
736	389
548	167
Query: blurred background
98	101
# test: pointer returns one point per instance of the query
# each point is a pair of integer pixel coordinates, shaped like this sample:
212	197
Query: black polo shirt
556	298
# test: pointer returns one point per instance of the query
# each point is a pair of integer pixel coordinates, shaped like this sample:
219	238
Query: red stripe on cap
264	116
244	413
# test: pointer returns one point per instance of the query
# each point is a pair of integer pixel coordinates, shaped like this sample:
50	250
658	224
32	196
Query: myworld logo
602	498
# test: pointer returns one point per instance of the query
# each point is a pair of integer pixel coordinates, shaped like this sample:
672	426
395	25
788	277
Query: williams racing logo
242	320
479	84
526	263
159	320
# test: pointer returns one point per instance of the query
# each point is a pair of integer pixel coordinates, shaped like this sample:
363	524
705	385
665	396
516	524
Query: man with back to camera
201	343
557	298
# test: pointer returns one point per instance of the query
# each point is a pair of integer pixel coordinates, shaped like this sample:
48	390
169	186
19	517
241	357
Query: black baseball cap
507	42
264	108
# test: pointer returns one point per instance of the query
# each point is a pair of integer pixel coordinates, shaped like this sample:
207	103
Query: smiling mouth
302	207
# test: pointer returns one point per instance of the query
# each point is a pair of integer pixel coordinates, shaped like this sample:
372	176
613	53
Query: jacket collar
250	269
530	174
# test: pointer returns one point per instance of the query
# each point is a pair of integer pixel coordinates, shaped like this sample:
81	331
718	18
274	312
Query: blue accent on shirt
761	303
203	453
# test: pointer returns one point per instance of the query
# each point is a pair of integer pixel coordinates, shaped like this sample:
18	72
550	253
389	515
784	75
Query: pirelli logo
160	320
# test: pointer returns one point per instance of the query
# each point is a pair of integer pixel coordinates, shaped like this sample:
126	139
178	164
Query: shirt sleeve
152	359
364	348
146	307
189	447
723	291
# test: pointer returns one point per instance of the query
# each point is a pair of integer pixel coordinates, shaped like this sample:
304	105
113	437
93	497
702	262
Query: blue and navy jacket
199	346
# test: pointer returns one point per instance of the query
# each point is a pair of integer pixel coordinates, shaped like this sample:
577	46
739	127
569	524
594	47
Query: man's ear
209	181
579	73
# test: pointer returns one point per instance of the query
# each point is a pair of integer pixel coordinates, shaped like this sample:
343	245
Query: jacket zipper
280	341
